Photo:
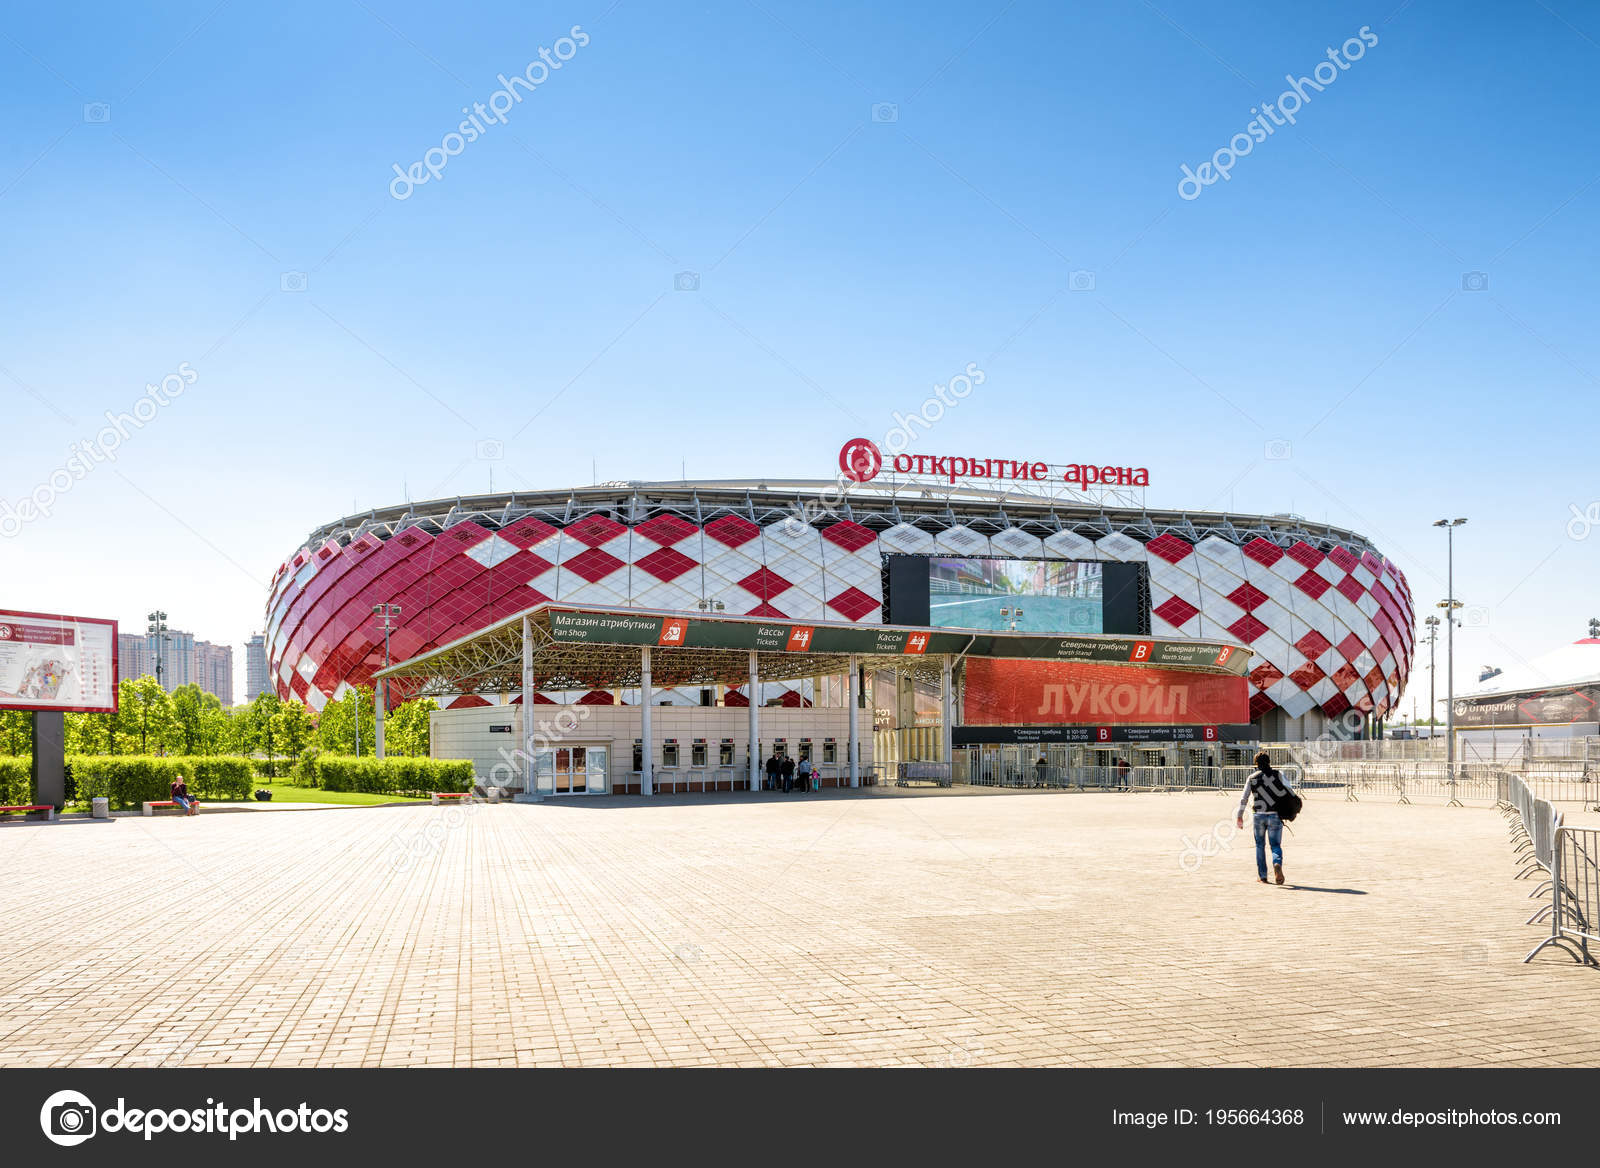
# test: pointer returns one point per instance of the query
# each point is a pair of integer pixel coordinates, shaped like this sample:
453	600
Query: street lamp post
1450	604
1433	639
387	614
157	629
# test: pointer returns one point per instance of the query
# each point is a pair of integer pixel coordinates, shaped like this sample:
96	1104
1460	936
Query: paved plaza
881	927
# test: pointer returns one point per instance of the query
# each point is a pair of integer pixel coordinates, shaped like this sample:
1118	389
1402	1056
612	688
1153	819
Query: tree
336	728
147	713
187	716
293	727
405	730
215	733
91	733
16	732
260	734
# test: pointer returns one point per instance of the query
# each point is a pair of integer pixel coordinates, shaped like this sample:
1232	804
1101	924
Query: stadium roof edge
768	498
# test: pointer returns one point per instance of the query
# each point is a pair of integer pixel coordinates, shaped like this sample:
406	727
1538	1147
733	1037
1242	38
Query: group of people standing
783	774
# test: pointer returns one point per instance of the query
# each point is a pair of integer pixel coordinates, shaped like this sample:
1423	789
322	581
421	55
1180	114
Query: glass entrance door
578	770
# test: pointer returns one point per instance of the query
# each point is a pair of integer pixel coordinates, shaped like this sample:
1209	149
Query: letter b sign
1141	651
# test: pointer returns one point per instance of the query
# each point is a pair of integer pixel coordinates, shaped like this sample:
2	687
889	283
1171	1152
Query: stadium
1328	620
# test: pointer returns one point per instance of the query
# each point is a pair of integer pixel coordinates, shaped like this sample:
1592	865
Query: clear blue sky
846	264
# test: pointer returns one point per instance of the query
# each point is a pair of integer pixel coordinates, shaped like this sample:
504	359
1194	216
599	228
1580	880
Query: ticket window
725	753
669	754
781	748
697	753
638	756
805	750
830	751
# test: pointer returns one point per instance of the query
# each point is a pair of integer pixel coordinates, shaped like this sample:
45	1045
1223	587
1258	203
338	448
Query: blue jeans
1268	828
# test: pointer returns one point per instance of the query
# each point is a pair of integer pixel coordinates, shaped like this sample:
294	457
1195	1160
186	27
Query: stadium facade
1328	619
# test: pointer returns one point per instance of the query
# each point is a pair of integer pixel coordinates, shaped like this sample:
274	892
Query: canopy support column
646	700
529	772
947	695
855	722
755	723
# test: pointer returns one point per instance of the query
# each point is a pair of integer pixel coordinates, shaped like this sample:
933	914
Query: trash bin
101	807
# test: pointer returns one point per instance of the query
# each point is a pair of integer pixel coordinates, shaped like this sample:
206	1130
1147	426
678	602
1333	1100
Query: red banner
1055	693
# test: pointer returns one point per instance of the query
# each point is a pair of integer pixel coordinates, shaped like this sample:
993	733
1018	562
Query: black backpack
1285	803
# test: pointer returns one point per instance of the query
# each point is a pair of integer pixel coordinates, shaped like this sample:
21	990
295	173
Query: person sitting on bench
181	796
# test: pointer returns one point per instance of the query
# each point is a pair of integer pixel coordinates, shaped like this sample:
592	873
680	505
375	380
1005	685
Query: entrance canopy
600	648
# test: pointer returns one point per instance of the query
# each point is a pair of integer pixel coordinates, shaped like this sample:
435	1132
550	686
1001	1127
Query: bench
151	805
435	796
30	808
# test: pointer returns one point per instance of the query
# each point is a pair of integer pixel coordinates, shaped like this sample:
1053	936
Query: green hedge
384	776
130	779
16	781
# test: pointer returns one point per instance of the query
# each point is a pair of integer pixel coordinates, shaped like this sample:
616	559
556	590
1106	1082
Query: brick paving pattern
947	928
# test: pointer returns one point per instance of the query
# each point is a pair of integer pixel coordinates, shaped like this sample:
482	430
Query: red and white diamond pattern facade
1331	628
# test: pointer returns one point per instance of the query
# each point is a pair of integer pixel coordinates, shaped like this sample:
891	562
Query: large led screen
1024	596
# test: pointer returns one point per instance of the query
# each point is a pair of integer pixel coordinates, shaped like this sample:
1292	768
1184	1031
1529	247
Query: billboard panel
1559	706
1022	693
52	662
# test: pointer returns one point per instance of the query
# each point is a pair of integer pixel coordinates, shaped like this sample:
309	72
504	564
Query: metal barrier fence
923	772
1574	908
1510	751
1462	784
978	767
1570	859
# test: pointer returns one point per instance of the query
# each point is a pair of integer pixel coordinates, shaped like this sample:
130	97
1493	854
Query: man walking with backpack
1275	802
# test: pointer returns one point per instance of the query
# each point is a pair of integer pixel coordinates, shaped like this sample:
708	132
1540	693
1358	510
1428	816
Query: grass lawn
284	793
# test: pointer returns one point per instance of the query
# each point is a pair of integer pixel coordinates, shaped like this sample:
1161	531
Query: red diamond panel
526	532
766	584
1312	585
1344	677
1304	554
1374	678
1266	675
464	535
1343	558
1175	610
1247	628
1263	551
732	531
848	535
665	530
1248	596
1350	588
1313	645
1169	547
1336	705
594	530
1307	676
664	563
767	610
1351	647
593	565
1260	704
852	604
